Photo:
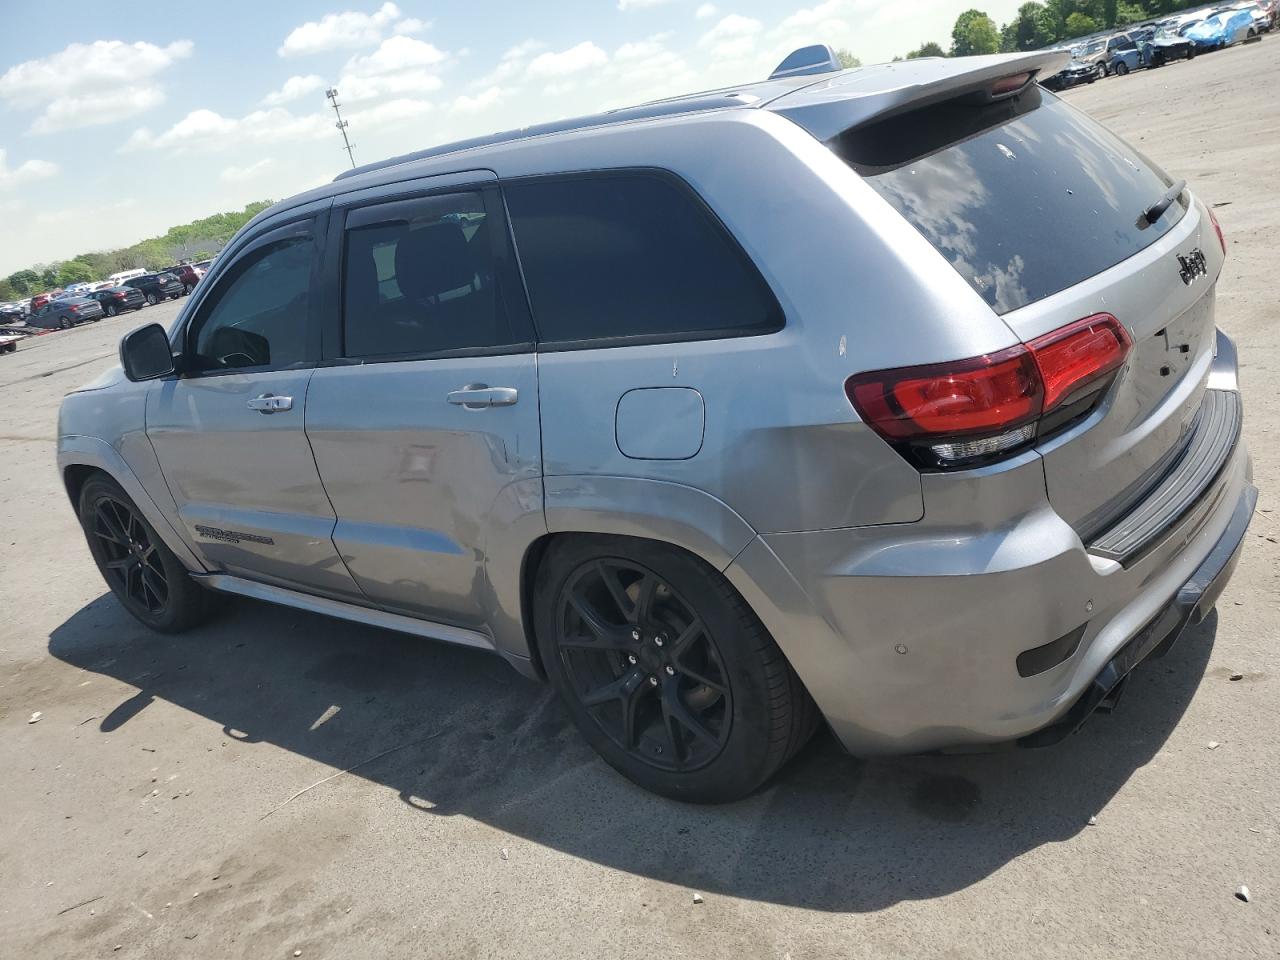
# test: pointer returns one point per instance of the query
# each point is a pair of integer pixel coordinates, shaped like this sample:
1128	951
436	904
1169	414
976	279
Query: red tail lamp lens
989	403
1217	228
1079	354
1007	85
977	396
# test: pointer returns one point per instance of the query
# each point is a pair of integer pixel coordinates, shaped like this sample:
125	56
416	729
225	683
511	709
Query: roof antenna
817	58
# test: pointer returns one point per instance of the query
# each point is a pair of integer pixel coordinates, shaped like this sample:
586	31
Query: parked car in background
38	301
1093	53
157	286
204	265
1123	55
1262	20
1167	44
65	313
187	274
1073	74
12	313
119	299
76	289
118	278
1222	30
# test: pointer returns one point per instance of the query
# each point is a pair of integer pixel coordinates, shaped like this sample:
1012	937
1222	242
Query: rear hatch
1041	211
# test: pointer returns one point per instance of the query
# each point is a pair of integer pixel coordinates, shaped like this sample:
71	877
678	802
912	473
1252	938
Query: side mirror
145	353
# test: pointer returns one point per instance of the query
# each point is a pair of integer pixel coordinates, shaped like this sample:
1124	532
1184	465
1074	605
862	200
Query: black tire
152	299
111	310
186	290
65	323
1122	69
145	576
714	707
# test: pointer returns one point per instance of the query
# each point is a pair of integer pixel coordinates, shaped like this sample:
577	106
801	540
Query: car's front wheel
665	669
111	310
1122	69
186	290
152	299
65	323
148	580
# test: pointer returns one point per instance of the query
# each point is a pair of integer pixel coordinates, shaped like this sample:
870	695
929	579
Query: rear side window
1023	197
421	277
632	257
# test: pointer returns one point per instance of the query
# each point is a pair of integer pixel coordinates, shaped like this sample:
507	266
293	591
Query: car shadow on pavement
456	732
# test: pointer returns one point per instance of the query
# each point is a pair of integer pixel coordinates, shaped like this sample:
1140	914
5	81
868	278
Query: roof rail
816	58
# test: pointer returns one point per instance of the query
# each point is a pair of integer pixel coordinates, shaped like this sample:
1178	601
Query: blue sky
118	120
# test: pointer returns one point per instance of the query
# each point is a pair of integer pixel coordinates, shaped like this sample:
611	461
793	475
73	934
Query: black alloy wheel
65	323
111	310
132	563
152	299
644	665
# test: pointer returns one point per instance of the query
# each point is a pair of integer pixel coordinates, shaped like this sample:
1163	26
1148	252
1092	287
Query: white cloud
396	54
732	38
95	109
812	16
706	11
24	172
235	174
411	25
293	89
207	128
389	113
400	67
481	101
336	31
90	84
511	65
574	60
640	4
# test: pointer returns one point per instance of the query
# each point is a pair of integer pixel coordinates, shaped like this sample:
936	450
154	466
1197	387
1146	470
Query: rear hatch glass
1023	197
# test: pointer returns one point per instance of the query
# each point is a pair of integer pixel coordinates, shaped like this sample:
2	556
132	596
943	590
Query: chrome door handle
270	403
477	396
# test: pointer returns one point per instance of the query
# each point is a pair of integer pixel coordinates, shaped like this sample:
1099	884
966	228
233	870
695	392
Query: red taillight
118	296
73	308
1217	228
981	395
951	414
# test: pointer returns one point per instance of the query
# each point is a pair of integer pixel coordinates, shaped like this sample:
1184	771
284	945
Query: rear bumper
1190	605
908	636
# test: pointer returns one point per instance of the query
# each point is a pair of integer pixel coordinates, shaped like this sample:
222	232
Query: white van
119	278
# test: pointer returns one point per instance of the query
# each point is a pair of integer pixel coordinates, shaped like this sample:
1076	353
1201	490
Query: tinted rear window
1023	197
632	256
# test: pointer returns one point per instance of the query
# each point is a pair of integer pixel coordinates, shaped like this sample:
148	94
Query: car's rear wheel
152	299
186	290
111	310
665	669
148	580
1122	69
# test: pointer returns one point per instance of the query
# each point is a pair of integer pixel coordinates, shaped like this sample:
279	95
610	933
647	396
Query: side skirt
224	583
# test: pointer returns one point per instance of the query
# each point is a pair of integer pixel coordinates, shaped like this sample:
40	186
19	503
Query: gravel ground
157	807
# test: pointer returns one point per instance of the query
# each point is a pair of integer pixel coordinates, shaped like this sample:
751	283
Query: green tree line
196	240
1043	24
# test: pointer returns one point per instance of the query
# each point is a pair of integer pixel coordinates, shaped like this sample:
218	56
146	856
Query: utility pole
332	94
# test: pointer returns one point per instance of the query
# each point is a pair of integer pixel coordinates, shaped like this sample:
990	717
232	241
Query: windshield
1094	47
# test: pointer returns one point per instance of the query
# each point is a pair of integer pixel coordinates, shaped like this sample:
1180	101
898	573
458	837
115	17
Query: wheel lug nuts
671	671
635	634
631	659
653	681
659	640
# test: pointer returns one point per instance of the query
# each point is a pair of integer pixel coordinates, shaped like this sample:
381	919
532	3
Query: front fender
83	451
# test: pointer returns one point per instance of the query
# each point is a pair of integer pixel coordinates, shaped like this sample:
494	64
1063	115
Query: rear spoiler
854	98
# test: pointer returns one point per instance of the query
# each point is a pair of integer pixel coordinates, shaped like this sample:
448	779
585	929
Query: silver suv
890	398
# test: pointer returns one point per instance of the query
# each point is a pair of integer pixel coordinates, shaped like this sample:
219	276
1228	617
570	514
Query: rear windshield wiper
1157	209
